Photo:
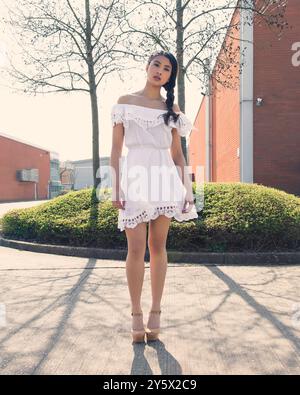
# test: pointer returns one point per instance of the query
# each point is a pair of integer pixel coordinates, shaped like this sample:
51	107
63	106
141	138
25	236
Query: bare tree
66	46
71	46
194	31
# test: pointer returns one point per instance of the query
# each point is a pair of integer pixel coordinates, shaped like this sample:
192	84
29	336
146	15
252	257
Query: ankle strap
136	313
155	311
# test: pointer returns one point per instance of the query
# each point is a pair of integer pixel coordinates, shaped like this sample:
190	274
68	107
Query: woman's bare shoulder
130	98
137	99
176	107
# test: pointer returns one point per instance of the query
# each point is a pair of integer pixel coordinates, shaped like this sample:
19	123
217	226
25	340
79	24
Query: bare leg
135	269
157	238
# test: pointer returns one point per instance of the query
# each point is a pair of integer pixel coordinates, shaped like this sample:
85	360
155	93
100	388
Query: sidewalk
5	207
70	315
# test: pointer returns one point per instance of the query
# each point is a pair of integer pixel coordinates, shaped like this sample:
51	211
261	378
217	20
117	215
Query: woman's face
160	67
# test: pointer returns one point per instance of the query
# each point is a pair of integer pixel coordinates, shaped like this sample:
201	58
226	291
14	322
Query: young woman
152	126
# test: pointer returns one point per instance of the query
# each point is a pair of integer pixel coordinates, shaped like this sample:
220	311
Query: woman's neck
151	94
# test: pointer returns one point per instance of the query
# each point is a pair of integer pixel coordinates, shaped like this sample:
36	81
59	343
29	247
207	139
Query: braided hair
170	85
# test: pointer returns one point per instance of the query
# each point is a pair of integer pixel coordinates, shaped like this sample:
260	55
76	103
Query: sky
61	122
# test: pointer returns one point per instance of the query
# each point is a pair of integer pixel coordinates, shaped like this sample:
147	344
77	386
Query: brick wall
277	121
225	118
14	156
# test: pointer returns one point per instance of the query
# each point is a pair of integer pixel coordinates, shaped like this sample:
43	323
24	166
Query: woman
152	127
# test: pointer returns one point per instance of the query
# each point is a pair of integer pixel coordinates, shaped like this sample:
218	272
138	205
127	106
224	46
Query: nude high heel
152	333
138	336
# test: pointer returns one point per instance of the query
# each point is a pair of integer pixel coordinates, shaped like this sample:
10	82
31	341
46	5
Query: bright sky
62	122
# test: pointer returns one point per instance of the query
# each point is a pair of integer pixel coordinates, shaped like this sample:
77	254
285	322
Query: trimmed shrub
235	217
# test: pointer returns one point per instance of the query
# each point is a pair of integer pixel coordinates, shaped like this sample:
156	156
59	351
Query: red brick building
16	158
252	134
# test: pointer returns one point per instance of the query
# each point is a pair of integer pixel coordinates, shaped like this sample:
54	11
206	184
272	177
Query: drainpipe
208	126
245	153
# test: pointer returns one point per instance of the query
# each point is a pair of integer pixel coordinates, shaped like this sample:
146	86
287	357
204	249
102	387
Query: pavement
5	207
70	315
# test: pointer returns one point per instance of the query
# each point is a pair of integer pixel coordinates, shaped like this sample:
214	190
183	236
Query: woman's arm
180	162
115	162
179	159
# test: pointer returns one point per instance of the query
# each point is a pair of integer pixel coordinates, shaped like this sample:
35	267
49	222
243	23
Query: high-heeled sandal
152	333
138	336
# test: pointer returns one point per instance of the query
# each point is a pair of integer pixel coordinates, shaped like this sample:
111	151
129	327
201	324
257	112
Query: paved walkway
5	207
66	315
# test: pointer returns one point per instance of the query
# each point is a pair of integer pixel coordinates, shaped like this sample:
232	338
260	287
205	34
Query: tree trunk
93	98
180	78
95	140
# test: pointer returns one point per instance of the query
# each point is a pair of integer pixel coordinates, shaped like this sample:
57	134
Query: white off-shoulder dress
150	182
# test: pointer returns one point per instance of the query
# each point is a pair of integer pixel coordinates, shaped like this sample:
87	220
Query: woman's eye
156	64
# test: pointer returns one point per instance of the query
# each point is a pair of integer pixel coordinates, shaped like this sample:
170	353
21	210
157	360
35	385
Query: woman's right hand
119	203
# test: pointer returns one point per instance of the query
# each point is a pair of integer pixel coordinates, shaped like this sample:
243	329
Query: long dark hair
170	85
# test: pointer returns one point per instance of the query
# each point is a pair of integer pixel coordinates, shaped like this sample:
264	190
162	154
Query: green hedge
235	217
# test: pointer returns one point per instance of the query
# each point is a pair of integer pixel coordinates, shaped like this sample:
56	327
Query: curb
216	258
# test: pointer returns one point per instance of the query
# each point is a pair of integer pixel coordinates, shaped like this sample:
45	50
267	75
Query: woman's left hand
188	202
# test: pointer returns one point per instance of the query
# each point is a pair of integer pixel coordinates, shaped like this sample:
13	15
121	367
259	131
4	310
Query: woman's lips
157	78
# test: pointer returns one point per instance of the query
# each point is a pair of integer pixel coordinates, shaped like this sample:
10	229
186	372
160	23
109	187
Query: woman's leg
135	268
157	238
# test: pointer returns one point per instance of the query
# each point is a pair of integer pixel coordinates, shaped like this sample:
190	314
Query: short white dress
150	183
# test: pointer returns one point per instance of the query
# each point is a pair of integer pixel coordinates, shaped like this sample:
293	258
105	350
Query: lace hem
123	114
146	215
